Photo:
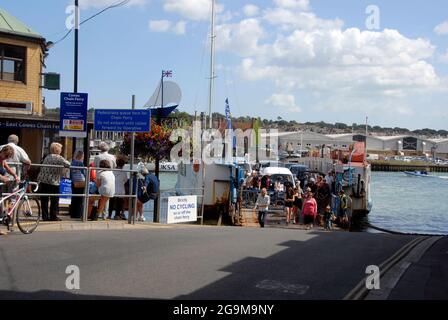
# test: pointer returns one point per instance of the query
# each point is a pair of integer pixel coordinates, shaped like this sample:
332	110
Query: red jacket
310	207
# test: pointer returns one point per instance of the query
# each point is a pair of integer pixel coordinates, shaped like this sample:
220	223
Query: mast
212	66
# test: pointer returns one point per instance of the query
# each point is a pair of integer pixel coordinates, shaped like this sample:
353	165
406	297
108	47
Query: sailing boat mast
212	66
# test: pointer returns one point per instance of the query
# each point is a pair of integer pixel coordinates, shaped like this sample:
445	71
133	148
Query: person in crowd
266	182
262	205
78	179
312	185
105	155
117	203
343	206
49	180
105	182
20	156
309	210
289	202
6	154
328	216
279	186
297	204
323	195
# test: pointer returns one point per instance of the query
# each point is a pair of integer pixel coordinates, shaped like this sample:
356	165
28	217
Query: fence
86	195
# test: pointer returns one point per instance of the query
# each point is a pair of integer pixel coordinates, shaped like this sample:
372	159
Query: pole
132	203
212	67
75	73
156	217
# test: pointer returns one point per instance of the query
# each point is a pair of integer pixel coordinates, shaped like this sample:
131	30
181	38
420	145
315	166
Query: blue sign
73	115
65	187
122	120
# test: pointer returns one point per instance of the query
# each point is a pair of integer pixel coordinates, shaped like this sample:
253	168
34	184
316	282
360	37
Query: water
410	204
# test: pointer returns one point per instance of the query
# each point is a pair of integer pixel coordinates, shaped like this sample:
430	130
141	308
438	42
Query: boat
419	174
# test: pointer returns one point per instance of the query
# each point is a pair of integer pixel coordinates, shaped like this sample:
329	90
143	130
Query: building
22	55
383	145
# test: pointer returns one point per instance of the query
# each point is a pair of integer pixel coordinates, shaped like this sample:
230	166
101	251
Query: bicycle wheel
28	215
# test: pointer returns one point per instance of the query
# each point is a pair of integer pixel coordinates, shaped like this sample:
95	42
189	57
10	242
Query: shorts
288	204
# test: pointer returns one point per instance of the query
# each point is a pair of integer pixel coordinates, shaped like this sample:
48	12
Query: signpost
182	209
122	120
73	115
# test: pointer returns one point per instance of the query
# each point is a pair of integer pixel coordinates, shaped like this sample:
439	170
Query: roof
11	25
276	170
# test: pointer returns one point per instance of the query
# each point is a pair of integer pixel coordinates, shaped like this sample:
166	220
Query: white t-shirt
107	183
105	156
120	179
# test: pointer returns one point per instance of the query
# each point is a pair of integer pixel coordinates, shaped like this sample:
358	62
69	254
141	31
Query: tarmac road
191	263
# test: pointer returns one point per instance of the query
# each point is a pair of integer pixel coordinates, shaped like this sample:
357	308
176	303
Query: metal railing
86	195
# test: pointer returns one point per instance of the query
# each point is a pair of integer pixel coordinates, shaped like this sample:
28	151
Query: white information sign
182	209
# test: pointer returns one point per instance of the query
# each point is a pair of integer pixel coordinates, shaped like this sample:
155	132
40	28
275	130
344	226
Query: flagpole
212	66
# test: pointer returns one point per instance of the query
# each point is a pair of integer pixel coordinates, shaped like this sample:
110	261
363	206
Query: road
191	263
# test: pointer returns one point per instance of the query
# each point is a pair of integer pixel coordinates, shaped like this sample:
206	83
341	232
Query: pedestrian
20	156
6	172
78	179
262	205
323	195
297	204
328	215
266	182
105	155
289	202
343	206
117	203
312	185
49	179
105	182
309	210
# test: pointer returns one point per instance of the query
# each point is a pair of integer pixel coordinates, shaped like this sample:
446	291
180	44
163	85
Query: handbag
79	184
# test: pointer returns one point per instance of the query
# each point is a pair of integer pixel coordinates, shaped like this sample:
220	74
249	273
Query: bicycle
22	209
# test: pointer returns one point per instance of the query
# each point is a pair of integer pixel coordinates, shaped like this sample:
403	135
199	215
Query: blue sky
298	59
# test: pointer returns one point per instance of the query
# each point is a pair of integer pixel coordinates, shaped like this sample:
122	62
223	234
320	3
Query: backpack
148	188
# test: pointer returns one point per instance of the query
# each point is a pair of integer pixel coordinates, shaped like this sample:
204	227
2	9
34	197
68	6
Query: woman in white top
116	203
105	181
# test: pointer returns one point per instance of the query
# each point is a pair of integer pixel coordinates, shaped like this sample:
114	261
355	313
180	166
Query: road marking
297	289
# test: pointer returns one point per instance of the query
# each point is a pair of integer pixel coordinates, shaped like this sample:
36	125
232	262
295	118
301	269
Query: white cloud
160	25
99	4
289	19
443	58
293	4
286	102
180	27
167	26
251	10
191	9
241	38
442	29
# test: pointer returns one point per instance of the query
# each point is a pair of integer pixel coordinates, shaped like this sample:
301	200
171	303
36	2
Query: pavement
192	262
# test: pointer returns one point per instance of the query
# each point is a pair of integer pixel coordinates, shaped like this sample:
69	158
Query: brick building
22	54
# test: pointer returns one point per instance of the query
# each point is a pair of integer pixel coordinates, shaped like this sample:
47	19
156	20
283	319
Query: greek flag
229	122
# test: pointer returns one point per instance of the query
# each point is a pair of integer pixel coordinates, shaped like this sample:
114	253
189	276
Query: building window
344	146
12	63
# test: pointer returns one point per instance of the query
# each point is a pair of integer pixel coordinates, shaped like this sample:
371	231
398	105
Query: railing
86	195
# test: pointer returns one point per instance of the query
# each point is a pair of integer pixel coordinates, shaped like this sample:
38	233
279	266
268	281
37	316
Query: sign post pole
132	202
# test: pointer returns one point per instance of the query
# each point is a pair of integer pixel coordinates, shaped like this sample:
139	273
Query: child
327	216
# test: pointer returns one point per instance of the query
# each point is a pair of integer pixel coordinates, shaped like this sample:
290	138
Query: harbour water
400	202
410	204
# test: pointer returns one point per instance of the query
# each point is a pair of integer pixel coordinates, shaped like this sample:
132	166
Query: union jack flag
167	73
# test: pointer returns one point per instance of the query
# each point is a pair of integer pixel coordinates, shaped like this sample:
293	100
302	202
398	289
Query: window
344	146
12	63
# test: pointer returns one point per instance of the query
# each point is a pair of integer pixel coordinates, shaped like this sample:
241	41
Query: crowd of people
107	188
309	205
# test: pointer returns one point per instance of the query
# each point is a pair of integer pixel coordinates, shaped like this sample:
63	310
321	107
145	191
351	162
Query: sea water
410	204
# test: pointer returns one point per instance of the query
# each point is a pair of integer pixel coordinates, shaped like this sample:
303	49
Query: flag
228	115
167	73
229	123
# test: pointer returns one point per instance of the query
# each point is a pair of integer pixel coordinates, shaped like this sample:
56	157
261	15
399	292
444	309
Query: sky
303	60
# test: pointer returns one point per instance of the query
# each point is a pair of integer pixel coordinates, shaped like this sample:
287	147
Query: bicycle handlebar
36	185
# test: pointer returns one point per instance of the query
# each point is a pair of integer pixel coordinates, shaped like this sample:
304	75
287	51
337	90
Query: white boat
419	174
